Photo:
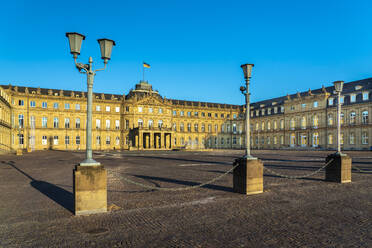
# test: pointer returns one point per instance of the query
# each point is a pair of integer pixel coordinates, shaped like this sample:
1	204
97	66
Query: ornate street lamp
75	40
338	89
247	70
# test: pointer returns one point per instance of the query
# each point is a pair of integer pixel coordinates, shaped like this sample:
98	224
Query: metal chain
360	170
182	188
298	177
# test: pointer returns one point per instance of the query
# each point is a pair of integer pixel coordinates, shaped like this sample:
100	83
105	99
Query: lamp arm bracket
101	69
81	66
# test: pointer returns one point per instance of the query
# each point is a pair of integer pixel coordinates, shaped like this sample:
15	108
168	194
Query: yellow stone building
38	119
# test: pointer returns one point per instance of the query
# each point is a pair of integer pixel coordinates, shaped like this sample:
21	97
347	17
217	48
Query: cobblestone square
36	202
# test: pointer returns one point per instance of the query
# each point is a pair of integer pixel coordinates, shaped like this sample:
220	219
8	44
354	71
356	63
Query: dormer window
358	87
330	101
365	96
352	98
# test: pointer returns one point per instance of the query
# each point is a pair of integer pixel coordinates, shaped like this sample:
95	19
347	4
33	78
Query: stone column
151	140
140	143
339	170
170	141
137	144
248	176
162	141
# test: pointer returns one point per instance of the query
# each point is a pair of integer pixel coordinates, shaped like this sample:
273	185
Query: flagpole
143	73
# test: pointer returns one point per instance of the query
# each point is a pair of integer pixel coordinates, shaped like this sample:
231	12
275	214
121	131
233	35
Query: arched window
182	127
151	123
160	123
117	140
268	125
275	125
263	126
292	140
315	121
365	117
140	123
364	138
174	127
281	124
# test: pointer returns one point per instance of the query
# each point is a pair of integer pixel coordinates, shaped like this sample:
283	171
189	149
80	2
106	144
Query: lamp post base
90	189
19	152
248	176
339	170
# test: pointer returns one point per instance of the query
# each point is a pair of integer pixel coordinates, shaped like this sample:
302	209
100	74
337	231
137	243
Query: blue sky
195	48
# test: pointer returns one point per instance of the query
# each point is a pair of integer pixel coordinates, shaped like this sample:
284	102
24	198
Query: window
263	112
117	140
303	105
20	121
281	124
330	139
292	108
160	110
140	123
98	108
196	127
160	123
330	101
268	125
188	127
67	122
222	141
365	96
55	140
352	138
269	111
44	140
223	128
209	115
275	110
234	140
117	109
32	104
203	127
44	122
216	115
263	126
196	114
234	116
126	124
77	140
216	128
174	126
292	123
275	140
117	124
98	123
21	102
342	138
282	109
315	104
315	121
189	114
330	119
140	109
67	140
303	122
108	140
365	117
67	106
364	138
352	98
77	123
182	113
151	123
209	128
281	139
174	112
21	139
234	127
108	109
352	117
55	105
77	106
342	99
107	124
32	121
275	125
55	122
44	105
182	127
98	140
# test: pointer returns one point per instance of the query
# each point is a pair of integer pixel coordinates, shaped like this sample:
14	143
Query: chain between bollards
298	177
360	170
182	188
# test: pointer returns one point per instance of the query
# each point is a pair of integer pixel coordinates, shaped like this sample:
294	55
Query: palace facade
38	119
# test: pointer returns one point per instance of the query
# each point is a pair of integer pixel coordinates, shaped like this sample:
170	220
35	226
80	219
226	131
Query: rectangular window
108	109
209	115
44	140
189	114
315	104
77	140
108	140
55	105
98	123
77	106
21	139
160	110
21	103
107	124
44	122
117	109
182	113
364	138
352	98
55	122
67	106
174	112
20	121
203	114
32	104
98	140
44	105
234	116
67	140
55	140
140	109
98	108
32	121
67	122
117	124
196	114
303	105
365	96
126	124
352	139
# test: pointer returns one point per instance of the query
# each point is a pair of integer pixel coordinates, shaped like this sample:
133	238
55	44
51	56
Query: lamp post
338	89
75	40
247	70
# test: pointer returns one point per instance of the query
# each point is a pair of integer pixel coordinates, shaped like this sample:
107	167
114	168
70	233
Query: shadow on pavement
53	192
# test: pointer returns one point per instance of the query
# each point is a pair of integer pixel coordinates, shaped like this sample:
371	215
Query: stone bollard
339	170
90	189
248	176
19	152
